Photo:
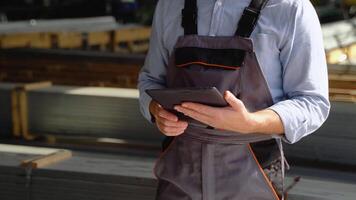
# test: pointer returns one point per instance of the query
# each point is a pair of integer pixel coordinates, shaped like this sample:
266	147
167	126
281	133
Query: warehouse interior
70	123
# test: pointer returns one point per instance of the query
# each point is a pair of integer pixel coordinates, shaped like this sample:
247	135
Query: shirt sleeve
305	79
153	73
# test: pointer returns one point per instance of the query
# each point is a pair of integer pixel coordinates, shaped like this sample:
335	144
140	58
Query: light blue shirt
288	45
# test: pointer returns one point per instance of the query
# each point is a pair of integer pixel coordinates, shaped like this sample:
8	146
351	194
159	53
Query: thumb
234	102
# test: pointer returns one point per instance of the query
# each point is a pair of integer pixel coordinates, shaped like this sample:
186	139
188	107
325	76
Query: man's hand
234	117
167	122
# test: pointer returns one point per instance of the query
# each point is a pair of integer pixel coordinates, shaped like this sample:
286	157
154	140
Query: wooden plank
36	85
342	77
46	160
342	69
138	48
21	149
342	81
135	39
22	95
24	40
20	111
69	39
342	91
43	41
99	38
343	98
343	95
132	34
16	126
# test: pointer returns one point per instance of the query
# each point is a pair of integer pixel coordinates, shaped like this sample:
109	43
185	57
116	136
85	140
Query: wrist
254	123
265	122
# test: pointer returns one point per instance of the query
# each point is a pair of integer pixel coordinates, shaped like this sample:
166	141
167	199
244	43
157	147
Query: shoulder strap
250	17
189	17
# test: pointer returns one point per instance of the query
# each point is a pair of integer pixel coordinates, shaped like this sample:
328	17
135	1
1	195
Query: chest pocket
266	49
196	58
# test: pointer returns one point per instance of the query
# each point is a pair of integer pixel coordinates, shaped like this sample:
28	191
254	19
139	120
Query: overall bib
208	164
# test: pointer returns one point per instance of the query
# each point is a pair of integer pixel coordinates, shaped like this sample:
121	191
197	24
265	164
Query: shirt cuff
145	101
293	126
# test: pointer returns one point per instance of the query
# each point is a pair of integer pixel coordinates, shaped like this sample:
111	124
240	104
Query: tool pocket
206	67
166	148
268	183
197	58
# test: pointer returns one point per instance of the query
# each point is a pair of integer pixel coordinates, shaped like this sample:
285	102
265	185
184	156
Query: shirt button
219	3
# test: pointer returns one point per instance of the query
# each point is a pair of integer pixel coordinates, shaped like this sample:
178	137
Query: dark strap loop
249	18
189	17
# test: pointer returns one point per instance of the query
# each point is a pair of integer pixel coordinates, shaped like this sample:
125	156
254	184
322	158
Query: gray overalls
208	164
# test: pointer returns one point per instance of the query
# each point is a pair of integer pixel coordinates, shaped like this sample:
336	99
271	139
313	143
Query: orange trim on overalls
161	154
263	173
207	64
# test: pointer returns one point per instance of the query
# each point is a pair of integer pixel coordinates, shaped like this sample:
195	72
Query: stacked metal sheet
114	113
85	176
91	112
107	177
5	109
334	142
12	177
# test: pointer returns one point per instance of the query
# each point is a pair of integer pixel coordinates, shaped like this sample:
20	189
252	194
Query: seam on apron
208	171
161	154
264	175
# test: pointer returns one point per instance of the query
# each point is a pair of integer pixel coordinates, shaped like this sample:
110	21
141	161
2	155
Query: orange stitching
263	173
207	64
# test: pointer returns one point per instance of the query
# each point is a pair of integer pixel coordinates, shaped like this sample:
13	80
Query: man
267	58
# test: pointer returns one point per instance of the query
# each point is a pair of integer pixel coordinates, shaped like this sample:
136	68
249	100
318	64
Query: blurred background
70	126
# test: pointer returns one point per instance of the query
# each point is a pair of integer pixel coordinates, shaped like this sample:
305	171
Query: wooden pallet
77	70
19	106
344	95
342	81
135	39
31	40
89	33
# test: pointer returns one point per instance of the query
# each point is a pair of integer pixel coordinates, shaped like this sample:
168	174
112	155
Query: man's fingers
233	101
195	115
167	115
166	122
171	131
200	108
158	111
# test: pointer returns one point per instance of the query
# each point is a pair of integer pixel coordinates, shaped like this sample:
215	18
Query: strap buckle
251	15
247	22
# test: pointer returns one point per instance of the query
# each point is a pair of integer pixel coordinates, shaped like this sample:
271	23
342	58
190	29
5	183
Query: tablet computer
168	98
